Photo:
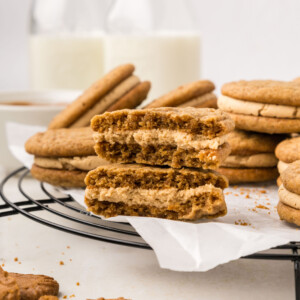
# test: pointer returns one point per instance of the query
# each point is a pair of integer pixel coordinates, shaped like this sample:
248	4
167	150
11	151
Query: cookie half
175	137
137	190
183	94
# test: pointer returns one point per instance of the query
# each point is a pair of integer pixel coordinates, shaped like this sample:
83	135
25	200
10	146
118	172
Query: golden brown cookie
63	178
47	297
279	181
288	150
288	213
240	175
264	91
248	143
133	98
62	142
9	290
207	100
291	177
91	96
32	287
265	124
183	94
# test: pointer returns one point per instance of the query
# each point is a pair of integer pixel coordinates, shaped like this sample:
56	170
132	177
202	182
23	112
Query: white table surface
109	270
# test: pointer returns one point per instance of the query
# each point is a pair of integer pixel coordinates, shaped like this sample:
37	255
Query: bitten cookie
263	105
196	94
117	89
289	194
252	157
63	156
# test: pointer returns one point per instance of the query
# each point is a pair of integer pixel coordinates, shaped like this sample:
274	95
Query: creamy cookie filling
232	105
281	166
161	137
262	160
160	198
289	198
84	163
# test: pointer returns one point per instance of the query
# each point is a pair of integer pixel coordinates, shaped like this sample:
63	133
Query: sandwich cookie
263	105
175	137
252	157
62	157
118	89
196	94
139	190
289	194
287	152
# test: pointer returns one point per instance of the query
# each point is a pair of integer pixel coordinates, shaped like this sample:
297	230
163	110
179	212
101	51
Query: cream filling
85	163
161	137
281	166
161	198
232	105
262	160
288	198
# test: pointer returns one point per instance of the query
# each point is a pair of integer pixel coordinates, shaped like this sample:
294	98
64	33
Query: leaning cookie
196	94
62	157
289	194
118	88
252	157
263	105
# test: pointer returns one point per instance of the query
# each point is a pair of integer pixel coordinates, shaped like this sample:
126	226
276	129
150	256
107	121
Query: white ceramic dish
43	107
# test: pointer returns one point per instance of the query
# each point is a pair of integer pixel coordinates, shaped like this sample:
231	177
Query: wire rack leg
297	278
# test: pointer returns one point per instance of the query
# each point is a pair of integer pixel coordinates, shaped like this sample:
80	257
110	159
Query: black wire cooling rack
44	204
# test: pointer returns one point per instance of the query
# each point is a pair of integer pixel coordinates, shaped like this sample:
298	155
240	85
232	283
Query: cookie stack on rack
161	163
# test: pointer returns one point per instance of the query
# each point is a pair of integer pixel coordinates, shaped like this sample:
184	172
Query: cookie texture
9	290
206	100
288	150
264	91
32	287
279	181
62	142
133	98
265	124
84	102
291	177
248	143
47	297
241	175
183	94
288	213
288	198
63	178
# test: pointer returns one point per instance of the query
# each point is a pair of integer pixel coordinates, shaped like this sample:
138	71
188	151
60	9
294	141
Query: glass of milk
158	36
66	43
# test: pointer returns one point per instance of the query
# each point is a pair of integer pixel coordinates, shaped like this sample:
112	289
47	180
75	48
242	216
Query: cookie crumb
72	296
61	263
263	192
261	206
65	297
247	196
78	283
16	259
68	247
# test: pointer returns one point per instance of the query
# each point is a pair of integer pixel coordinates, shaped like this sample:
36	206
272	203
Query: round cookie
90	97
288	198
291	177
264	91
288	150
288	213
265	124
63	178
248	143
183	94
279	181
260	160
239	175
65	142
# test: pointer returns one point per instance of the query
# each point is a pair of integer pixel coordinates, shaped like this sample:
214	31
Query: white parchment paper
251	224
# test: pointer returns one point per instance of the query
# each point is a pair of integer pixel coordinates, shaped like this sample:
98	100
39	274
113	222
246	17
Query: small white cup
43	107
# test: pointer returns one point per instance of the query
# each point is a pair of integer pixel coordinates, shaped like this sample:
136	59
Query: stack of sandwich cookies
157	137
176	137
63	156
252	157
287	152
263	105
118	89
289	194
196	94
137	190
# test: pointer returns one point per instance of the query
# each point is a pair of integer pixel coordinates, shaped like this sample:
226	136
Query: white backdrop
241	39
